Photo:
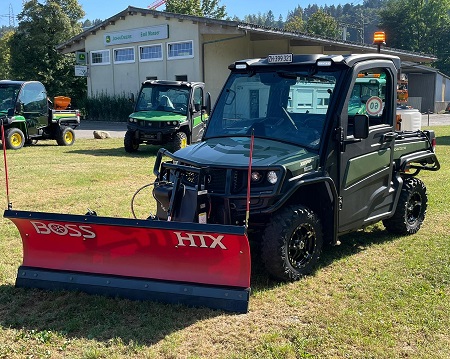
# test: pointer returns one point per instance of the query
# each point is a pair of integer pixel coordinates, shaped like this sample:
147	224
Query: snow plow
189	263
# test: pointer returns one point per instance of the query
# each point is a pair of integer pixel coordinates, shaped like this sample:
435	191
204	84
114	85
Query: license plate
280	58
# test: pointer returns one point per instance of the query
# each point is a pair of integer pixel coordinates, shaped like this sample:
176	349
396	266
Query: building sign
81	58
81	71
137	35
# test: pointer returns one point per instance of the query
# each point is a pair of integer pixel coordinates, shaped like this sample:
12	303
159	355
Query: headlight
256	176
168	122
272	177
174	123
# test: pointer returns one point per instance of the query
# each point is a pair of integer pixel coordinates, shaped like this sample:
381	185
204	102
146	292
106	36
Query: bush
103	107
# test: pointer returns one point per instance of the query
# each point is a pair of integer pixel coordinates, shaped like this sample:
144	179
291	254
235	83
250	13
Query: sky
103	9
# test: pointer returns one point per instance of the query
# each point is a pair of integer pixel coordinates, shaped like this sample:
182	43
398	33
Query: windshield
163	98
8	95
284	105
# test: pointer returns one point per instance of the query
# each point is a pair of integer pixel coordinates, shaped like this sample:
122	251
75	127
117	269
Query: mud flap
189	263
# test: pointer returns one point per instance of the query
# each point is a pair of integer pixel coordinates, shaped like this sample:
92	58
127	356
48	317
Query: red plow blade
190	263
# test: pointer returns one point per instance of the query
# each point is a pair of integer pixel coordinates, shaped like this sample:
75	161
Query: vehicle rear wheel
292	243
15	139
66	136
179	141
130	143
411	208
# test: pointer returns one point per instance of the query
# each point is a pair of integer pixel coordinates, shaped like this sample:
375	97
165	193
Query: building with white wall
138	44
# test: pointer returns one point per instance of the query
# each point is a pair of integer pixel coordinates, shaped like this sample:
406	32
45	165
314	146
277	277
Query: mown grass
374	296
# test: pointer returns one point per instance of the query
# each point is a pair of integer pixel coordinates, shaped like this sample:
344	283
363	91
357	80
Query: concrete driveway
87	128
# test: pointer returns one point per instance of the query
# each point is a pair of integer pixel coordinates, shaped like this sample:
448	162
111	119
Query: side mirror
361	126
18	107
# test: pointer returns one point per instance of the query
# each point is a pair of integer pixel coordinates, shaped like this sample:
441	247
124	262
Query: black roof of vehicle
171	83
348	60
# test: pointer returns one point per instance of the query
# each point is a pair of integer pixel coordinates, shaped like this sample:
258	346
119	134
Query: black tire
411	208
179	141
292	243
130	143
15	139
65	136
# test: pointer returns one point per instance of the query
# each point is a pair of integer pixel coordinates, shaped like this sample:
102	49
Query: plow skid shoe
173	262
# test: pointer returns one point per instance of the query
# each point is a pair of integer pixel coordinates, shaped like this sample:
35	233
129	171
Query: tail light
433	144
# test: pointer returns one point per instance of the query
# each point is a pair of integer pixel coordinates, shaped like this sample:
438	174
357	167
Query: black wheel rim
414	208
301	245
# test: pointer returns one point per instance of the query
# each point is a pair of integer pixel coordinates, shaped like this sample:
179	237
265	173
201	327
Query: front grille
215	180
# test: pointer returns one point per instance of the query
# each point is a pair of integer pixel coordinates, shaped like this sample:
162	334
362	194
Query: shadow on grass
80	315
350	244
146	151
443	141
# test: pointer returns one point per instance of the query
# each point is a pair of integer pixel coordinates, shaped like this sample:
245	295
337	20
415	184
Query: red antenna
156	4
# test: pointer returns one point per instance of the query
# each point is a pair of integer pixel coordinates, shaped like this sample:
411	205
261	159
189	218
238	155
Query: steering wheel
182	108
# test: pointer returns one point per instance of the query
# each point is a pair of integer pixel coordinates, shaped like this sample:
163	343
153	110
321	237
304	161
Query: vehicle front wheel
15	139
292	243
179	141
411	208
66	136
130	142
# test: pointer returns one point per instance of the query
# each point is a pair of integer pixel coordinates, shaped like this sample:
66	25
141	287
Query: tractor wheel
292	243
65	136
411	208
179	141
15	139
130	143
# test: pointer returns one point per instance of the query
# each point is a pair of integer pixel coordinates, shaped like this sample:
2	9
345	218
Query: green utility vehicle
285	126
171	113
28	116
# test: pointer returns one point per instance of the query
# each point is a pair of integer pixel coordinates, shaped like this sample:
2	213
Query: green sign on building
81	58
149	33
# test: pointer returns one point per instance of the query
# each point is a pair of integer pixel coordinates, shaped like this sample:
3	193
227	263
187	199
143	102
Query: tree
42	26
322	24
207	8
419	25
5	55
295	24
211	9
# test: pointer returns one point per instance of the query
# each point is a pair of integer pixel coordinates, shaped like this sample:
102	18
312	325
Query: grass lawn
374	296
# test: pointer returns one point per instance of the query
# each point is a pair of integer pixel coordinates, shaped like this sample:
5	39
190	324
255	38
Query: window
125	55
100	57
181	78
368	96
33	97
180	50
150	53
151	78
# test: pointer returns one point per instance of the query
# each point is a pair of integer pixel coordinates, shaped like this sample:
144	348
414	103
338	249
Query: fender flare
332	195
423	160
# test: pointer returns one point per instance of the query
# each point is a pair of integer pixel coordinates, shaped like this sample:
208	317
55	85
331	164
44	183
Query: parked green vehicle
171	113
28	116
